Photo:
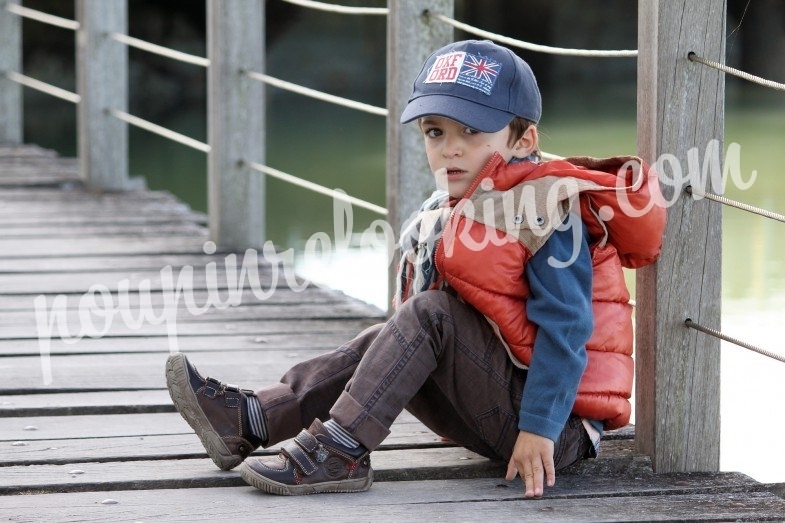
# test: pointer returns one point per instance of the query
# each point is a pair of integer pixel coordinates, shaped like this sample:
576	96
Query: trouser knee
426	305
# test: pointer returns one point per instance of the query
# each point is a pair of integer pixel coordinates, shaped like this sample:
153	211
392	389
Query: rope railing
130	41
43	87
315	187
717	334
736	72
530	46
40	16
732	203
341	9
313	93
160	131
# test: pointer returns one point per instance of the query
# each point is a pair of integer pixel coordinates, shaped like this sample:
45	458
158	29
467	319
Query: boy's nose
452	148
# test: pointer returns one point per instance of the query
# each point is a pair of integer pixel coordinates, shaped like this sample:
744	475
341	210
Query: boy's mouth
454	172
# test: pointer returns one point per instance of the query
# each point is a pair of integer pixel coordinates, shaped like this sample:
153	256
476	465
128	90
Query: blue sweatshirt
560	305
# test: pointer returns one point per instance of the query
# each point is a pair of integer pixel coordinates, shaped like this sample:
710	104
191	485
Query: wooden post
235	115
102	83
10	60
680	107
411	38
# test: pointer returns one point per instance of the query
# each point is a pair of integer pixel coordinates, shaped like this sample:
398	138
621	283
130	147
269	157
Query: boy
497	304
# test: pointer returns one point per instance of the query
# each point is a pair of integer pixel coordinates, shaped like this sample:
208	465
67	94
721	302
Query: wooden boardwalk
102	442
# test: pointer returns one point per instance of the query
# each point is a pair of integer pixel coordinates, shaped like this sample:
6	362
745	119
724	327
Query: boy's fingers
550	472
512	470
537	471
529	480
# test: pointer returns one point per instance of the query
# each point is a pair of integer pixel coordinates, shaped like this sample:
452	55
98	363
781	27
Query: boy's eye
469	130
433	132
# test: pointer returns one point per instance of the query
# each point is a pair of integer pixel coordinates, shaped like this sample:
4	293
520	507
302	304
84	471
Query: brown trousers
436	357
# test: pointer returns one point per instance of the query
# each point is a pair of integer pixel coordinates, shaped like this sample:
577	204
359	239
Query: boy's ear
527	143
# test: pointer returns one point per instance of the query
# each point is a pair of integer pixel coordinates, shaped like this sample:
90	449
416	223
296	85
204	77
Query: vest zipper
490	167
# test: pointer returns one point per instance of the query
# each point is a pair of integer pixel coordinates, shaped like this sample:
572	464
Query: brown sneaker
214	410
312	463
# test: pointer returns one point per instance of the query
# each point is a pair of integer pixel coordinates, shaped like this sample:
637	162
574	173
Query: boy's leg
223	415
433	341
310	388
435	348
436	355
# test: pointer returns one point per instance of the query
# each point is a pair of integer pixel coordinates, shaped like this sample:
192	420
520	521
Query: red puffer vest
505	217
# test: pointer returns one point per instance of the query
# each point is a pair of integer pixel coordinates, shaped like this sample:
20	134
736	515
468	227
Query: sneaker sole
186	403
273	487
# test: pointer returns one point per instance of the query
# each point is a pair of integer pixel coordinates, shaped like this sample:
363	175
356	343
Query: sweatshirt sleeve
560	305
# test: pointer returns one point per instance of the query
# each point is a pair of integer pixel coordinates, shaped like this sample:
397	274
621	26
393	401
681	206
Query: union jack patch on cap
477	72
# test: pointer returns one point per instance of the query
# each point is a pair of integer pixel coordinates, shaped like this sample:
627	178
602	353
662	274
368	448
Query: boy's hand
532	456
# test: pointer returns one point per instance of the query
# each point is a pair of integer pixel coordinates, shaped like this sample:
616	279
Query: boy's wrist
541	426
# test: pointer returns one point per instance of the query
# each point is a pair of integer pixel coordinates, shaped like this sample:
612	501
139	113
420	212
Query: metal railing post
235	116
10	60
102	83
411	38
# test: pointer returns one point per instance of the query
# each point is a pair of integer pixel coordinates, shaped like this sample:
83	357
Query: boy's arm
560	305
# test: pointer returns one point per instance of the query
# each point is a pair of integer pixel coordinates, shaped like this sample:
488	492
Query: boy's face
457	154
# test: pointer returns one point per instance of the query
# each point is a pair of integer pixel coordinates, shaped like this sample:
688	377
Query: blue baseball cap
477	83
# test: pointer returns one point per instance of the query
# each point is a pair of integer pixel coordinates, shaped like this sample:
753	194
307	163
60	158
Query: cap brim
470	114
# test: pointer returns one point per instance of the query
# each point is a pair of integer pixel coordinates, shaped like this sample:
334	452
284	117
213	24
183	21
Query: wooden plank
25	151
48	220
255	312
297	341
110	205
681	108
112	426
37	195
144	436
83	447
53	179
99	372
30	154
389	465
214	328
24	176
447	500
92	426
85	208
85	403
116	263
81	282
283	294
193	473
174	446
25	248
394	465
42	233
105	217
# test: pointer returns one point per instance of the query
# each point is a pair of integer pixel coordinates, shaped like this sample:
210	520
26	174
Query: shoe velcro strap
212	387
298	455
307	441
